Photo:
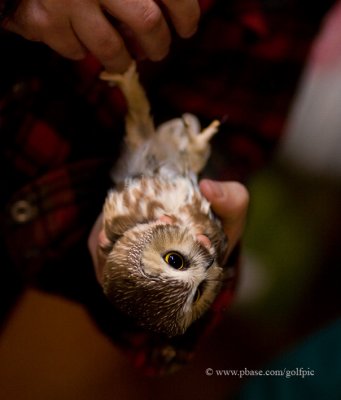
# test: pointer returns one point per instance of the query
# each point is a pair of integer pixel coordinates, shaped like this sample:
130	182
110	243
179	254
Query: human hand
229	200
74	27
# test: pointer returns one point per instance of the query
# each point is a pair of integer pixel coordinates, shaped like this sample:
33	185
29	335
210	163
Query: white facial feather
158	270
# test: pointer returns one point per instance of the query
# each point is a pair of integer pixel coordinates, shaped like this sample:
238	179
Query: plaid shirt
61	128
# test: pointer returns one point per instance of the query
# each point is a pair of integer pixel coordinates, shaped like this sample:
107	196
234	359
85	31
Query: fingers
184	15
96	240
73	27
147	23
69	47
229	200
101	39
35	23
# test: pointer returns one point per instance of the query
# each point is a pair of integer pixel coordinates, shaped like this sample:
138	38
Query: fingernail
189	34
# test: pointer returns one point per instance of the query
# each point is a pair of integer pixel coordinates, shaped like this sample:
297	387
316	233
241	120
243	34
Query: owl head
162	276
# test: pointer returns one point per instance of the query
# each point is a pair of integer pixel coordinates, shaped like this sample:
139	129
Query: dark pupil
175	261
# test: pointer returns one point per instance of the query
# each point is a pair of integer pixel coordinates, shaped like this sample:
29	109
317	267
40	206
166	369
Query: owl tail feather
139	123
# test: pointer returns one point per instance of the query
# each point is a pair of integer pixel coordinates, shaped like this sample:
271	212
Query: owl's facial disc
175	252
163	277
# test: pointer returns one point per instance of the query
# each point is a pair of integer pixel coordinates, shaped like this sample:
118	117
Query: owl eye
175	260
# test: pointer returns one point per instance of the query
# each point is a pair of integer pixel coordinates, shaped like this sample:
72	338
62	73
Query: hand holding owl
229	201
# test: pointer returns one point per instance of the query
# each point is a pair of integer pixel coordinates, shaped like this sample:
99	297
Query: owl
163	247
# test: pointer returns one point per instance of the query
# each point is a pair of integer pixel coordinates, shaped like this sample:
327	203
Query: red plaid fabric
61	130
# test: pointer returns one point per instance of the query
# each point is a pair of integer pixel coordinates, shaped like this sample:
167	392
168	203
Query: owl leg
198	147
199	139
207	134
139	123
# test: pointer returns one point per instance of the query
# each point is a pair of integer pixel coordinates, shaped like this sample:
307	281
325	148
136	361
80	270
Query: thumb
229	201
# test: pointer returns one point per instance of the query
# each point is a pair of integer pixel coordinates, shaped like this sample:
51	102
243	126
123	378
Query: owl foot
119	79
198	147
199	139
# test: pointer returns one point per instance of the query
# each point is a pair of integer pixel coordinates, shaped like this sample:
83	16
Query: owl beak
209	265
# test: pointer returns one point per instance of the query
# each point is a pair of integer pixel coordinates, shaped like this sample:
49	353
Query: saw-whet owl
163	247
